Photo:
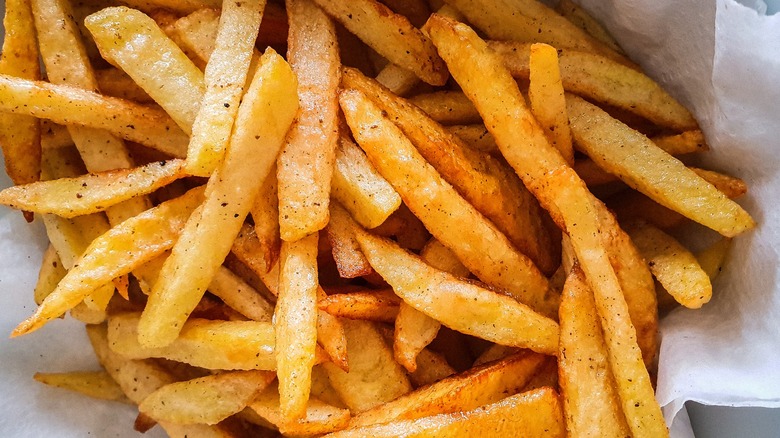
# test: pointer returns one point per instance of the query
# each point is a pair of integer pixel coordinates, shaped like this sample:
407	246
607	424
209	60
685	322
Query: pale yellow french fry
319	418
331	336
226	73
372	305
263	119
197	33
431	367
116	83
590	402
240	296
644	166
374	377
95	384
305	165
673	265
545	95
295	324
91	193
360	188
440	257
453	221
531	414
154	61
49	275
530	21
461	392
558	188
711	259
391	35
206	400
116	253
138	379
459	305
73	106
20	135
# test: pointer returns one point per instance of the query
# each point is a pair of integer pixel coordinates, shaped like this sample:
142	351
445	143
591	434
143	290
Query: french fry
154	62
91	193
95	384
416	11
475	136
182	7
115	253
240	296
391	35
711	259
206	400
361	189
486	314
372	305
590	402
226	73
462	392
319	418
322	389
350	261
114	82
673	265
73	106
374	377
331	335
531	21
197	34
51	273
265	214
441	208
295	325
305	165
208	235
666	180
431	367
545	95
532	414
440	257
558	188
20	135
486	183
447	107
580	18
495	352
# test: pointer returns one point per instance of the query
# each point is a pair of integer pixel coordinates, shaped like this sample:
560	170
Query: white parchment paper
719	57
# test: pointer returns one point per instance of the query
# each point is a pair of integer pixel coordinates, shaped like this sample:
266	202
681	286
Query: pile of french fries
356	218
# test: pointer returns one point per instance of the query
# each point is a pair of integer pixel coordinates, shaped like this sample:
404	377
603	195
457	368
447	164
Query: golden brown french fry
477	243
224	79
416	11
442	296
73	106
531	414
440	257
475	137
391	35
606	81
95	384
558	188
545	95
20	135
686	142
116	253
295	324
305	165
486	183
447	107
580	18
138	379
530	21
208	235
331	336
590	402
154	62
91	193
371	305
240	296
265	214
649	169
374	377
50	274
180	6
319	418
350	261
673	265
361	189
711	258
206	400
495	352
462	392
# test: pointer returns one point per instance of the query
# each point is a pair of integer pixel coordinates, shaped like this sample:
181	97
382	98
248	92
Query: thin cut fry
580	18
263	119
20	135
350	261
116	253
477	243
545	95
447	107
319	418
50	274
390	34
114	82
95	384
91	193
265	214
226	73
305	165
372	305
711	259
